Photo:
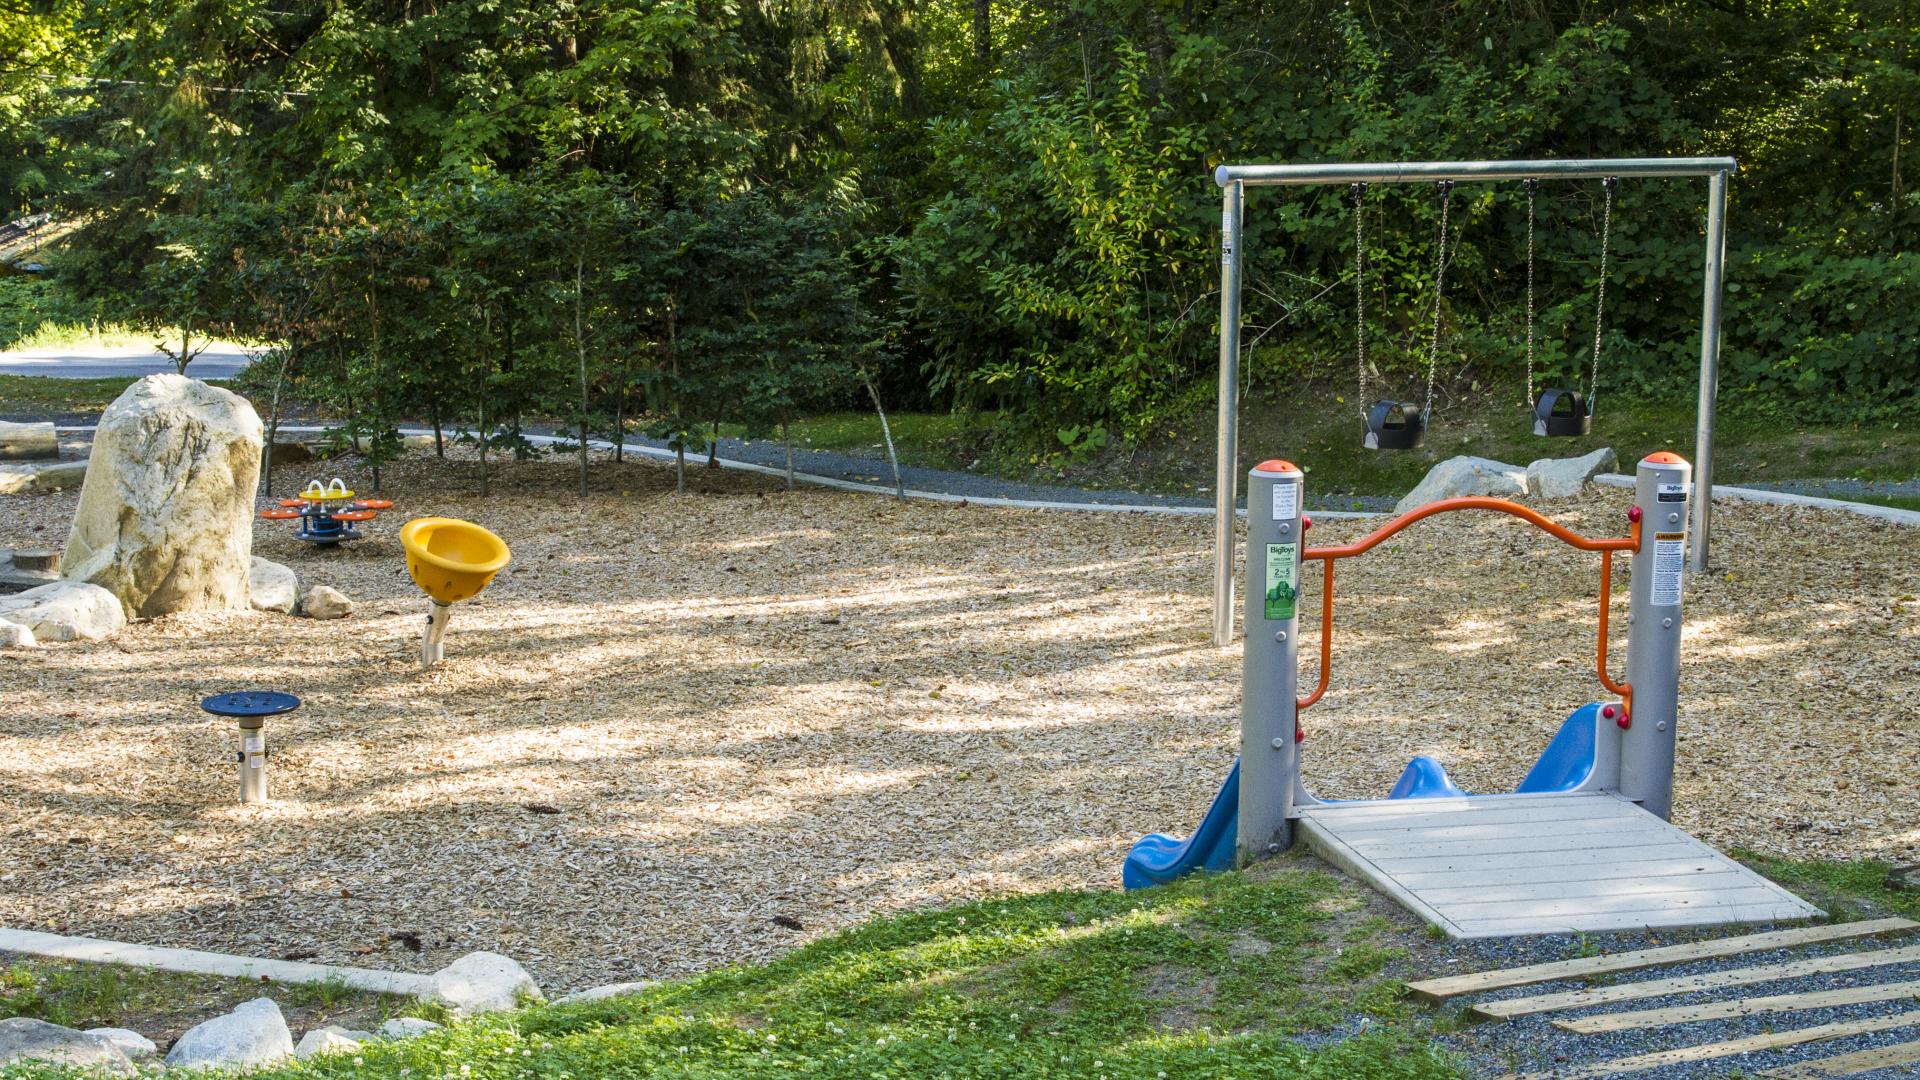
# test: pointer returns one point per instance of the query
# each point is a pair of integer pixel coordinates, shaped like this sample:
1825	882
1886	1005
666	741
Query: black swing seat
1561	411
1395	425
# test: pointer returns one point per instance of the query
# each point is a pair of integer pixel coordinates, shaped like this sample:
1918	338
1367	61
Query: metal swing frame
1235	179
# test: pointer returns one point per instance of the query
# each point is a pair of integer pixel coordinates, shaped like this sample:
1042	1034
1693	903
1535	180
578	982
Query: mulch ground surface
688	730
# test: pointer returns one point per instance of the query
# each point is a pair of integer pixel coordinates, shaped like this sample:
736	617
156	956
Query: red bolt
1633	514
1625	720
1299	733
1305	523
1607	712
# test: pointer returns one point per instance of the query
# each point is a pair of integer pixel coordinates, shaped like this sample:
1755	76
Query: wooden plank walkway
1512	865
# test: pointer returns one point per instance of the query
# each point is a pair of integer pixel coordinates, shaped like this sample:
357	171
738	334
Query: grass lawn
1286	970
1219	976
37	395
163	1005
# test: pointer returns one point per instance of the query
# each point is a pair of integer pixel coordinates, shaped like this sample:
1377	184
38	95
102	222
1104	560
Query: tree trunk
580	347
273	426
620	416
713	447
983	31
680	465
886	432
439	441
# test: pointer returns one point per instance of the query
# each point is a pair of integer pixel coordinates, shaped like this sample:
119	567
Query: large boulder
1459	476
18	441
165	521
251	1035
483	982
274	587
65	611
1563	478
23	1040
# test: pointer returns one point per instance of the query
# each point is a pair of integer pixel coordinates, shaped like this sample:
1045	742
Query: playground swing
1563	410
1396	425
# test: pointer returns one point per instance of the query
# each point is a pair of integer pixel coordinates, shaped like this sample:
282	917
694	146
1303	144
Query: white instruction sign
1669	565
1671	492
253	744
1226	236
1286	502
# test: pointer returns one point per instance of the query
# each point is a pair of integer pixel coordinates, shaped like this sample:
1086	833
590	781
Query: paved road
221	361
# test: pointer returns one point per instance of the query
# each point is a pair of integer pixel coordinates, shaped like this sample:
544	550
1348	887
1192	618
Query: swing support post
1226	473
1234	179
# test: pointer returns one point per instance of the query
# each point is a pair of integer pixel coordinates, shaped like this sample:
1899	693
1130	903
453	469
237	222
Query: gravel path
1533	1043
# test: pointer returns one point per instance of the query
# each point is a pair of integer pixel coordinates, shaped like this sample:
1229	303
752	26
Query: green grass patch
1849	891
929	440
1898	502
162	1005
40	395
1212	977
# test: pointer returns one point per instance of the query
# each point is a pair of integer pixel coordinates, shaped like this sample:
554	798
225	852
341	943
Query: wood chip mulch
684	731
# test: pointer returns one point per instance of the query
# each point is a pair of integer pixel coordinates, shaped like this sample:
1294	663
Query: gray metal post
432	649
253	759
1709	363
1269	673
1226	472
1661	493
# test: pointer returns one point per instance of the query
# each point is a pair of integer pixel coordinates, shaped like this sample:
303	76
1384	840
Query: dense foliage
679	212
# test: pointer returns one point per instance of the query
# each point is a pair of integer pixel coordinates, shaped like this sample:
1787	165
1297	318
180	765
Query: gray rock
1904	878
15	636
49	476
406	1027
23	1040
325	602
131	1043
326	1040
58	476
611	990
165	521
253	1034
275	587
65	611
30	440
1459	476
484	982
1563	478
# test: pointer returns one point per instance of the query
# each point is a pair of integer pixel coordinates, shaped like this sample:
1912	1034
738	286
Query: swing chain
1600	294
1532	186
1439	289
1358	192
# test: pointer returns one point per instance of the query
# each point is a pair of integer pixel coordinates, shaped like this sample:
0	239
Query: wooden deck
1510	865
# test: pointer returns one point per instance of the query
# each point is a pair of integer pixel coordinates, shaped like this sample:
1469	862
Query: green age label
1283	580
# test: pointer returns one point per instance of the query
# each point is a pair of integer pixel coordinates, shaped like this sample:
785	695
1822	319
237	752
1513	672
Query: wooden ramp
1510	865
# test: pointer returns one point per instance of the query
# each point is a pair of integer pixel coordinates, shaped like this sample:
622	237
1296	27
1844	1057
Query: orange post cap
1275	465
1665	457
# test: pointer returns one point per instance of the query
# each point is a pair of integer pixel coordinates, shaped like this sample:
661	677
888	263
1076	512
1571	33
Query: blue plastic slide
1157	859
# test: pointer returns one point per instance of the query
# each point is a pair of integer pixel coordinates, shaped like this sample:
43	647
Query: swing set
1392	424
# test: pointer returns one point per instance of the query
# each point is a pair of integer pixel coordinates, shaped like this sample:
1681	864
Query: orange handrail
1605	546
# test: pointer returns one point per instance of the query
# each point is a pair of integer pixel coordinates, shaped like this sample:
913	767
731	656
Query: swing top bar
1408	172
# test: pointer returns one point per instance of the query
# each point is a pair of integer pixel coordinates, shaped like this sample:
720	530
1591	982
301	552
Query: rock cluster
1550	478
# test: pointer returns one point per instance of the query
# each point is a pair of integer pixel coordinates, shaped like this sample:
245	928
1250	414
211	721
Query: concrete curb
195	962
1782	498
